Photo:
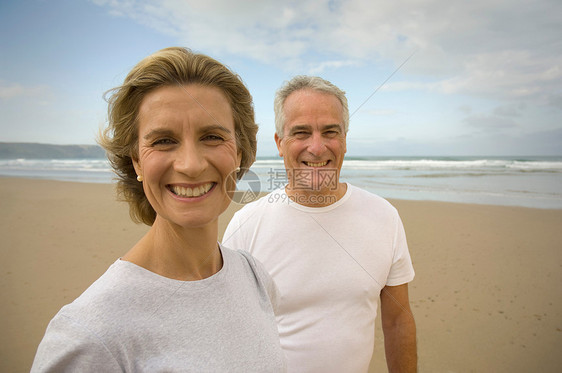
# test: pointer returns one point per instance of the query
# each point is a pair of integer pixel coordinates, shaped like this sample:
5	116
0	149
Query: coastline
530	181
485	296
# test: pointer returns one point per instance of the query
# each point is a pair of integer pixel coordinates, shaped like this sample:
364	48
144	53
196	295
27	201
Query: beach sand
486	297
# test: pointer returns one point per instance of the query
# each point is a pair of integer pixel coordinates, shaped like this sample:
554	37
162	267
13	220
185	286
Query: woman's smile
191	192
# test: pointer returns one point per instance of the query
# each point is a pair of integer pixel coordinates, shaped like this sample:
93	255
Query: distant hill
15	150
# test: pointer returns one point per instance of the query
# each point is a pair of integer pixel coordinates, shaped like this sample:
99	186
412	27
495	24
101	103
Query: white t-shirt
330	264
134	320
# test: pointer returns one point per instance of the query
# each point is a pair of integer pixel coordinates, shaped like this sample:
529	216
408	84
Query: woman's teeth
191	192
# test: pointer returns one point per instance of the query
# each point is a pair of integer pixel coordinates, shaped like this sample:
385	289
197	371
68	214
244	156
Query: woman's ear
137	166
239	158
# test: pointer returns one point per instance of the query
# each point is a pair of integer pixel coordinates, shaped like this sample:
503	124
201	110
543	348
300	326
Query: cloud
490	122
500	49
476	143
14	90
509	110
264	31
330	65
555	100
381	112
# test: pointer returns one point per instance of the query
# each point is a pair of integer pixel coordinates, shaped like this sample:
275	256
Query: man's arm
399	329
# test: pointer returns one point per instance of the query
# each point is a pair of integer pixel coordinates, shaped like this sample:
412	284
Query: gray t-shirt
133	320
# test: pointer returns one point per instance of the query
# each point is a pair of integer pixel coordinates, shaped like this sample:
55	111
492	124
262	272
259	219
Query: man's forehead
308	126
309	93
313	103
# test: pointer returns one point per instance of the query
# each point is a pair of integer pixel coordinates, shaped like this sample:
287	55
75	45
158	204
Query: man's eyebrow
299	127
331	127
307	127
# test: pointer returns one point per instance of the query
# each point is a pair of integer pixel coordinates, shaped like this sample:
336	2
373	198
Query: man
332	248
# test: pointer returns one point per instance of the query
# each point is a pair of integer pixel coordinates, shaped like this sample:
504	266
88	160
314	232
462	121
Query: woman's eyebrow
158	132
212	127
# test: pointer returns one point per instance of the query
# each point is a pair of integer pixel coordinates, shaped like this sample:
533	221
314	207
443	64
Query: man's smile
316	164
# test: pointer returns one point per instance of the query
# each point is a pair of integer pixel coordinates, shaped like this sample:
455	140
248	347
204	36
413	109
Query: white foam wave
468	165
92	165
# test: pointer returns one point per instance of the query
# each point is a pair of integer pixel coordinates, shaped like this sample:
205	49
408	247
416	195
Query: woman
181	129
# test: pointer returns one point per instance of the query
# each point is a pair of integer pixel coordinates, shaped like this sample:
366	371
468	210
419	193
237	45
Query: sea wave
81	170
468	165
421	164
56	164
532	182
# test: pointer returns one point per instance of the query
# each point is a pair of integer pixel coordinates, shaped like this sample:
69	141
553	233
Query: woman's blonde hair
168	67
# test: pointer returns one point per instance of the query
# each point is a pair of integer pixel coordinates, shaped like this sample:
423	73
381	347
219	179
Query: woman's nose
190	160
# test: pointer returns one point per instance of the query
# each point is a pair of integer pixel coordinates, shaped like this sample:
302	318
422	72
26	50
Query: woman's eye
162	142
213	138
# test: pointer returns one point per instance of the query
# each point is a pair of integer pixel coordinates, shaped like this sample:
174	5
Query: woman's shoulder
255	270
108	311
114	295
243	263
240	258
110	287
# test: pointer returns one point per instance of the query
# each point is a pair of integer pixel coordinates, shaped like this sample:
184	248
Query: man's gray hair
306	82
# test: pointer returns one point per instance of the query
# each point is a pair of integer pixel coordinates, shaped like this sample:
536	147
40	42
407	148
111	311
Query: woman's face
187	153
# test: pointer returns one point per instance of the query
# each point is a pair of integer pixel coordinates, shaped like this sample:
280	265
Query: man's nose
317	144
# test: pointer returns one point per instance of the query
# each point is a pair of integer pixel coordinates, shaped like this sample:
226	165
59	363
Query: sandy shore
486	296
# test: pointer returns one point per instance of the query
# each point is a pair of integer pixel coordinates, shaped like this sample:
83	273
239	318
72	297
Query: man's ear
278	143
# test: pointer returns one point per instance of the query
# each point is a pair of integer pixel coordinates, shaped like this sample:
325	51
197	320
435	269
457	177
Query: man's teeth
192	192
321	164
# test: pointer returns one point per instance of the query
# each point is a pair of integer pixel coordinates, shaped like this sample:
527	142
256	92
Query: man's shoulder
251	216
369	199
267	201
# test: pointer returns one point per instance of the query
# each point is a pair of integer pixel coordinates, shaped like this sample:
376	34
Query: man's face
314	141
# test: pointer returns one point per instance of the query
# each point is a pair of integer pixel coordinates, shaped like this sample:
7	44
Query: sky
422	77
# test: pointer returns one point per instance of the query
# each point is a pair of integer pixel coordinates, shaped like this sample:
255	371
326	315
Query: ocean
514	181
